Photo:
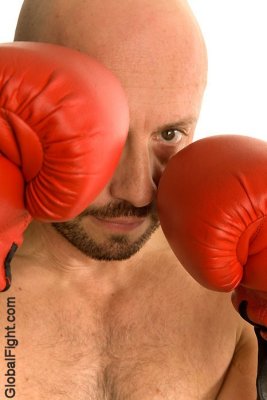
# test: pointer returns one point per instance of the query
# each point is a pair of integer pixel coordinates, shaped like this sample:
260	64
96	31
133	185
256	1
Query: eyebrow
170	125
180	122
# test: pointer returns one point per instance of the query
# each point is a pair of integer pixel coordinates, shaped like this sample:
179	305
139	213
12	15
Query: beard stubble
115	247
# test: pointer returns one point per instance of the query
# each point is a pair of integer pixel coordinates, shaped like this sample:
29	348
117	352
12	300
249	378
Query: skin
120	316
162	66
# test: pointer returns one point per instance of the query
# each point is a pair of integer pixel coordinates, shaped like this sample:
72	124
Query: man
104	310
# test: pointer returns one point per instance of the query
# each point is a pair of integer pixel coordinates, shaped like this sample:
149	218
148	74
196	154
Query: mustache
120	209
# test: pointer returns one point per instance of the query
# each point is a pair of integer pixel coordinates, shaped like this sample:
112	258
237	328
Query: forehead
155	48
152	42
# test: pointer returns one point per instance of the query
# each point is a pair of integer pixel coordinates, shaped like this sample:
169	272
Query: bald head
156	49
131	33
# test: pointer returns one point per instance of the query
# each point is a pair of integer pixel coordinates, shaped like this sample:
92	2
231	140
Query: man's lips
119	224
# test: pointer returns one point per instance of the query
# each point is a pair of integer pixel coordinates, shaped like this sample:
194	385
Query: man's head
157	51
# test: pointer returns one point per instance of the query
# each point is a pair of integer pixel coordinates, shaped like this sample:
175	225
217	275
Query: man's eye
171	136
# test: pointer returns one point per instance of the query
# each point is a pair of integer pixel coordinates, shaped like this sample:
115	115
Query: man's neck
43	246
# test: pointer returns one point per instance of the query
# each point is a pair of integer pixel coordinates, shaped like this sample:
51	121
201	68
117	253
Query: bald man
103	308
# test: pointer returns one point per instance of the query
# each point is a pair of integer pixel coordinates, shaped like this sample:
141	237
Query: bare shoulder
194	341
226	342
240	379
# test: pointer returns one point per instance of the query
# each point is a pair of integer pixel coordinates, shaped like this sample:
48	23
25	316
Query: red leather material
14	218
64	121
63	124
212	204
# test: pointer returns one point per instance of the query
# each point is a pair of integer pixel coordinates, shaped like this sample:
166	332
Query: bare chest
143	344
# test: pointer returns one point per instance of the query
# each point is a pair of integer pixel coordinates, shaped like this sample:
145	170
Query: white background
236	36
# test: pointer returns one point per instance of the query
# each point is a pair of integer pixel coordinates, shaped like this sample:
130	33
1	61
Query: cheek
163	153
101	199
159	157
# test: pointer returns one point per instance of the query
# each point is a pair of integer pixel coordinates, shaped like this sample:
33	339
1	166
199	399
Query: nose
135	179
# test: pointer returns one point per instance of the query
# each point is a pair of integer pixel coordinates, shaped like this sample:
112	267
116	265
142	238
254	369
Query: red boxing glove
212	203
63	124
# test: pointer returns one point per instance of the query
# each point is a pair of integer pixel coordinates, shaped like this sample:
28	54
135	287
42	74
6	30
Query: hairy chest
144	344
